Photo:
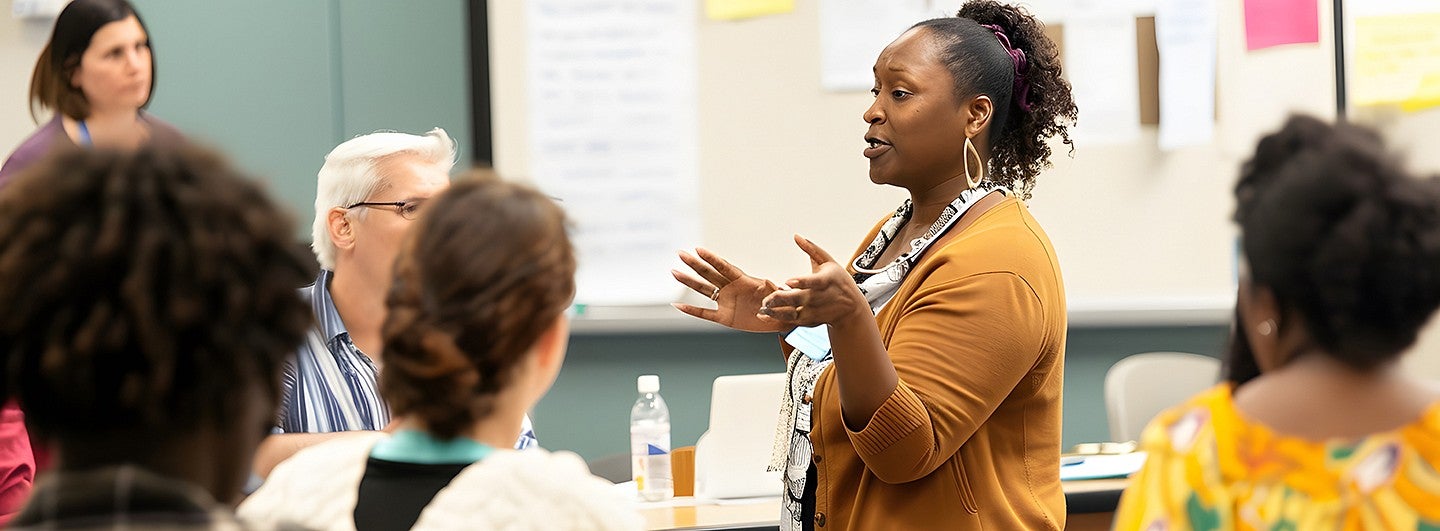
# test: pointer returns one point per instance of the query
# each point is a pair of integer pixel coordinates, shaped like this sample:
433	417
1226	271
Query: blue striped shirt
330	385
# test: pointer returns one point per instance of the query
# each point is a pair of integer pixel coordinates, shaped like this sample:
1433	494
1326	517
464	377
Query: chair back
1141	386
732	456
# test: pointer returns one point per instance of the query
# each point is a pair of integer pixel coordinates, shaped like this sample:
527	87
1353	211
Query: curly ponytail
1001	51
489	268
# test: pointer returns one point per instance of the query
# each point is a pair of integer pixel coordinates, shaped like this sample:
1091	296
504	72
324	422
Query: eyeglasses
406	209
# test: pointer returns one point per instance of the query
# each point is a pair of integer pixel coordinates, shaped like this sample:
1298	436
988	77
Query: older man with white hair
371	189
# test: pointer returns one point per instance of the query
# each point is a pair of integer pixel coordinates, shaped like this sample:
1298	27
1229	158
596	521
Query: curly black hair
1239	365
1346	238
980	64
145	292
471	294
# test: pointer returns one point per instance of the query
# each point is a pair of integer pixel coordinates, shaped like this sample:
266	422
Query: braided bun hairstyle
152	293
1031	105
488	269
1348	240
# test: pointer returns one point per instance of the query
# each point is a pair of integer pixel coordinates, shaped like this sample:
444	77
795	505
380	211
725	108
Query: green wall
279	83
588	410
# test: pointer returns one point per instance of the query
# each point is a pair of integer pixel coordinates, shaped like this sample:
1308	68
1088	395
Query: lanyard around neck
865	263
84	133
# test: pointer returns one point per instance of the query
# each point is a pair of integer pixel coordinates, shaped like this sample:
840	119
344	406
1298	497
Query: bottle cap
648	383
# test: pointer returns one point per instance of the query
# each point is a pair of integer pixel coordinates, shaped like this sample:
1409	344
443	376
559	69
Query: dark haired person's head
475	325
989	75
98	58
1239	365
150	303
1342	248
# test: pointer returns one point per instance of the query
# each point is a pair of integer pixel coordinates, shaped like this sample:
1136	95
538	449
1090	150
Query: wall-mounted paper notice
37	9
1101	62
1058	11
1373	8
612	107
1397	61
1185	33
1048	11
740	9
1275	22
853	32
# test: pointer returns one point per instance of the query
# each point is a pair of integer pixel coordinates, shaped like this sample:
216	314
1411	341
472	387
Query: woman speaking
930	397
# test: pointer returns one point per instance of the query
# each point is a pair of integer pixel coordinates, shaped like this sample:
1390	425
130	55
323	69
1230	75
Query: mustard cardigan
970	438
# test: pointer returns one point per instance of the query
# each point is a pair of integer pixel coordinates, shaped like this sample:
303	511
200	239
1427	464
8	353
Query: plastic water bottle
650	442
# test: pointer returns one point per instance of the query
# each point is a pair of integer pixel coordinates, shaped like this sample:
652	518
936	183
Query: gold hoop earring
979	162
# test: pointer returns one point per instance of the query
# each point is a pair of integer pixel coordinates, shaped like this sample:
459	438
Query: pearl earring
1266	327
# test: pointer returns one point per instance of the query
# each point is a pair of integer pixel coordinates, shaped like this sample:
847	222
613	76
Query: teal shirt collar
414	446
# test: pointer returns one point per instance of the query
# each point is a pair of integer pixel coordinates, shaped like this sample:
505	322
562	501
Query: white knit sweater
509	490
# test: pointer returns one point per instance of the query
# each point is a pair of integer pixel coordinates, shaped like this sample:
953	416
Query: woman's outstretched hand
737	294
826	296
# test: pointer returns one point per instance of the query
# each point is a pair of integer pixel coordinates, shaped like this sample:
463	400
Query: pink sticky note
1275	22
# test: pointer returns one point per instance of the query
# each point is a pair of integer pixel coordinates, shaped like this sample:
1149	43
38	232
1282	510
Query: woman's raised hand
737	294
826	296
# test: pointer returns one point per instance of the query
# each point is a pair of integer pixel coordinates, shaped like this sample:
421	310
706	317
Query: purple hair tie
1017	56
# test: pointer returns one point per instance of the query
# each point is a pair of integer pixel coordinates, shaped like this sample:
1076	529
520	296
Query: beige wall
1424	358
1133	226
1416	135
20	44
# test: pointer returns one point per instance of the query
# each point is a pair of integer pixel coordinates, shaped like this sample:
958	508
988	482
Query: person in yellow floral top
1316	426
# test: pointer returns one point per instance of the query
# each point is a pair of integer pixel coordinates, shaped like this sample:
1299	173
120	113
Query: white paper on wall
37	9
1058	11
1185	31
612	100
1371	8
1101	62
853	32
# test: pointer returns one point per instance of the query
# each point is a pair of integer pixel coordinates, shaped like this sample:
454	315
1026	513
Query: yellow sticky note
1397	61
738	9
1425	97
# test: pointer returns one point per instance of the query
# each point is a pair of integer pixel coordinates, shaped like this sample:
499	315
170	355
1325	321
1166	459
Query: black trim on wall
1340	97
482	145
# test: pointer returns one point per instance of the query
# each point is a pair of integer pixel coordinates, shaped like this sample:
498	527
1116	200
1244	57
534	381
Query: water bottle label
650	449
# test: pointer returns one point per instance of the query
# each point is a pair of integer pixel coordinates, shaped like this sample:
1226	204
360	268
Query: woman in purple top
96	75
